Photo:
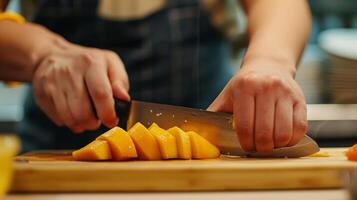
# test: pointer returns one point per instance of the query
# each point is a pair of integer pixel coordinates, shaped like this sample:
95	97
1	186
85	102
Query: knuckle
111	54
301	126
282	138
87	59
100	94
287	91
275	81
247	80
243	129
64	70
263	137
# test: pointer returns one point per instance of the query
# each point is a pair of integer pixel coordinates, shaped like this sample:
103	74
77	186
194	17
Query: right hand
66	81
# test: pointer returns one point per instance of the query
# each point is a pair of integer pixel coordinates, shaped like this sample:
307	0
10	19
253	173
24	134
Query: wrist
51	44
282	63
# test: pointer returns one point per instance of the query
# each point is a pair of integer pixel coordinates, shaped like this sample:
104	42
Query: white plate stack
309	75
341	46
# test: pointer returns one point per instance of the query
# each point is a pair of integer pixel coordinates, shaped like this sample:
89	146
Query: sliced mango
121	145
167	142
145	143
96	150
183	142
201	148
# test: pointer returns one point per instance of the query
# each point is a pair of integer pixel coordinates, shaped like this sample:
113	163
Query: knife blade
216	127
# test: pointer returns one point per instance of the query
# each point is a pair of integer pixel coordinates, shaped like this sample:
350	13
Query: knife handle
122	109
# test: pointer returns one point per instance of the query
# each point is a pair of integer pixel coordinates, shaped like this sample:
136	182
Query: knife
216	127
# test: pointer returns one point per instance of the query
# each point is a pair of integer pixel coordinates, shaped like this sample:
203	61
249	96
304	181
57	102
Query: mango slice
121	145
167	142
183	142
201	148
96	150
145	143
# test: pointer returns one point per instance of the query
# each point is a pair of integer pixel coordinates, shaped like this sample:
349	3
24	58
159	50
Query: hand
67	80
268	107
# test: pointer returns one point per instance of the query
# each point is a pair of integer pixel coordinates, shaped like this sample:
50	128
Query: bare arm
65	77
268	105
22	47
277	30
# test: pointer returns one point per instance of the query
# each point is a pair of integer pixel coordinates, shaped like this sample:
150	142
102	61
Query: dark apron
173	56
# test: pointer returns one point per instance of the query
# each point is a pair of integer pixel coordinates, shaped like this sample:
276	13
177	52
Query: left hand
267	104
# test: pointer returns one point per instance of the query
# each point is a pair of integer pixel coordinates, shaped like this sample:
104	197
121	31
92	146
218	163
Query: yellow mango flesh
183	142
201	148
121	145
167	142
96	150
145	143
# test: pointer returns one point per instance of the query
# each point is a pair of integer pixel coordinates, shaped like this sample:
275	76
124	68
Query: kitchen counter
337	194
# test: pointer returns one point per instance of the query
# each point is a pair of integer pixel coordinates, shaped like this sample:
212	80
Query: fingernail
112	123
94	125
76	130
125	93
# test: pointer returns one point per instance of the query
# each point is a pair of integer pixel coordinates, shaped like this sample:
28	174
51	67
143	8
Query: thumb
223	102
119	91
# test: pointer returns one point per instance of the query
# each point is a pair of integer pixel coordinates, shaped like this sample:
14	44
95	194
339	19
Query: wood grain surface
55	171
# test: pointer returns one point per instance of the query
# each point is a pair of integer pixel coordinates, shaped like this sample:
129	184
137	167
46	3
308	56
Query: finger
45	102
61	106
283	129
223	102
264	123
299	123
48	107
79	103
101	93
118	77
243	111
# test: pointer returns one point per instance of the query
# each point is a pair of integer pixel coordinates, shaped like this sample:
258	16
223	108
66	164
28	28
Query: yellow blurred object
13	84
320	154
9	147
12	16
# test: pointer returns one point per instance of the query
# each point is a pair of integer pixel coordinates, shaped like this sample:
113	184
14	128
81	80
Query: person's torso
172	56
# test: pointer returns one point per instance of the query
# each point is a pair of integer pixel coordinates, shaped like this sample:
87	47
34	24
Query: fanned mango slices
201	148
145	143
121	145
183	142
167	142
154	143
96	150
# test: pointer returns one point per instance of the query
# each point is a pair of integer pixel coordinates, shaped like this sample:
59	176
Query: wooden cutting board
52	171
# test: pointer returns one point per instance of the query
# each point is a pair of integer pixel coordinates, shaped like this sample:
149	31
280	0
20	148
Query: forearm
277	31
22	47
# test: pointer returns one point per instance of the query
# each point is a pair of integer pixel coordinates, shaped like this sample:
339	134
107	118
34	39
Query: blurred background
327	72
